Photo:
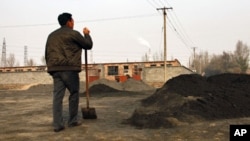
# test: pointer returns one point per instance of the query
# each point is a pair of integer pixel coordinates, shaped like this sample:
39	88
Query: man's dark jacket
64	49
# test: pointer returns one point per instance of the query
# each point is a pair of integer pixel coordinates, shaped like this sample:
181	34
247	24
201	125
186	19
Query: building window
168	65
136	70
125	69
112	70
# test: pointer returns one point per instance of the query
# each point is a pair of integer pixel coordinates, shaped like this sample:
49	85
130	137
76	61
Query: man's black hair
63	18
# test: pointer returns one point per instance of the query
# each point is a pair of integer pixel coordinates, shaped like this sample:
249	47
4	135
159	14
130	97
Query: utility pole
25	56
165	39
3	60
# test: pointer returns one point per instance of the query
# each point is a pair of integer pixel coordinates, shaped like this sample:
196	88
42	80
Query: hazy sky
124	30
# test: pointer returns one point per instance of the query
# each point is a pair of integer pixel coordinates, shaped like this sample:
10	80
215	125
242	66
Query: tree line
203	63
206	64
227	62
11	61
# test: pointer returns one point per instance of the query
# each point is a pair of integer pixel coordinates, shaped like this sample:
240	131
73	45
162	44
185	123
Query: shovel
88	113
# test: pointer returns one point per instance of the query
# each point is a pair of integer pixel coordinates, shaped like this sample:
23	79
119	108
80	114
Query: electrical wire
156	2
175	24
150	3
175	28
161	3
95	20
167	3
182	29
178	34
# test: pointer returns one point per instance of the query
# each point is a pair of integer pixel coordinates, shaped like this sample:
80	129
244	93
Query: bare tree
144	57
221	64
10	61
17	64
31	62
227	62
201	61
241	55
43	60
214	66
156	57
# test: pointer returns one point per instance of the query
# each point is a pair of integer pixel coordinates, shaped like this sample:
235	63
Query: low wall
29	78
155	76
152	76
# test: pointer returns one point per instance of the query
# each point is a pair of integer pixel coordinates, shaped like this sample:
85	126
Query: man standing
63	58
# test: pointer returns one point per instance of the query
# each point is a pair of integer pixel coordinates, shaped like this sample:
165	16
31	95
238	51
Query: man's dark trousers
65	80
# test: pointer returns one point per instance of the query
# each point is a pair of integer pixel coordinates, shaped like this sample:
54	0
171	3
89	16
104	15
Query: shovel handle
86	77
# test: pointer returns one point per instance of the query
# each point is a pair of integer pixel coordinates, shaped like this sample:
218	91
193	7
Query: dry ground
27	115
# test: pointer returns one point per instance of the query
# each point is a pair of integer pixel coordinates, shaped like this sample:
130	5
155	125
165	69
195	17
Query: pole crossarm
164	8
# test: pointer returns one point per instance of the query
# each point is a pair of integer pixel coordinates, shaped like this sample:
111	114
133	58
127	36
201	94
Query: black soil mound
190	98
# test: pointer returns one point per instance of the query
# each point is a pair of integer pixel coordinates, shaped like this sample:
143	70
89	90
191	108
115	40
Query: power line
161	3
95	20
175	24
185	33
157	4
180	32
151	4
177	33
168	3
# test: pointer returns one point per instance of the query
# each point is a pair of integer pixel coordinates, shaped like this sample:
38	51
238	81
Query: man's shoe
75	124
59	129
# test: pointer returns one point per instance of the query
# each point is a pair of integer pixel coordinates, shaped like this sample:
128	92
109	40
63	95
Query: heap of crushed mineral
192	98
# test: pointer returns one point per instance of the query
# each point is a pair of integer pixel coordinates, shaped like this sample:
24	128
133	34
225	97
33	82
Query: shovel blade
89	113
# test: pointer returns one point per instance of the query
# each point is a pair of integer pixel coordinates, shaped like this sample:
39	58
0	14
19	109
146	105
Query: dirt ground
186	108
